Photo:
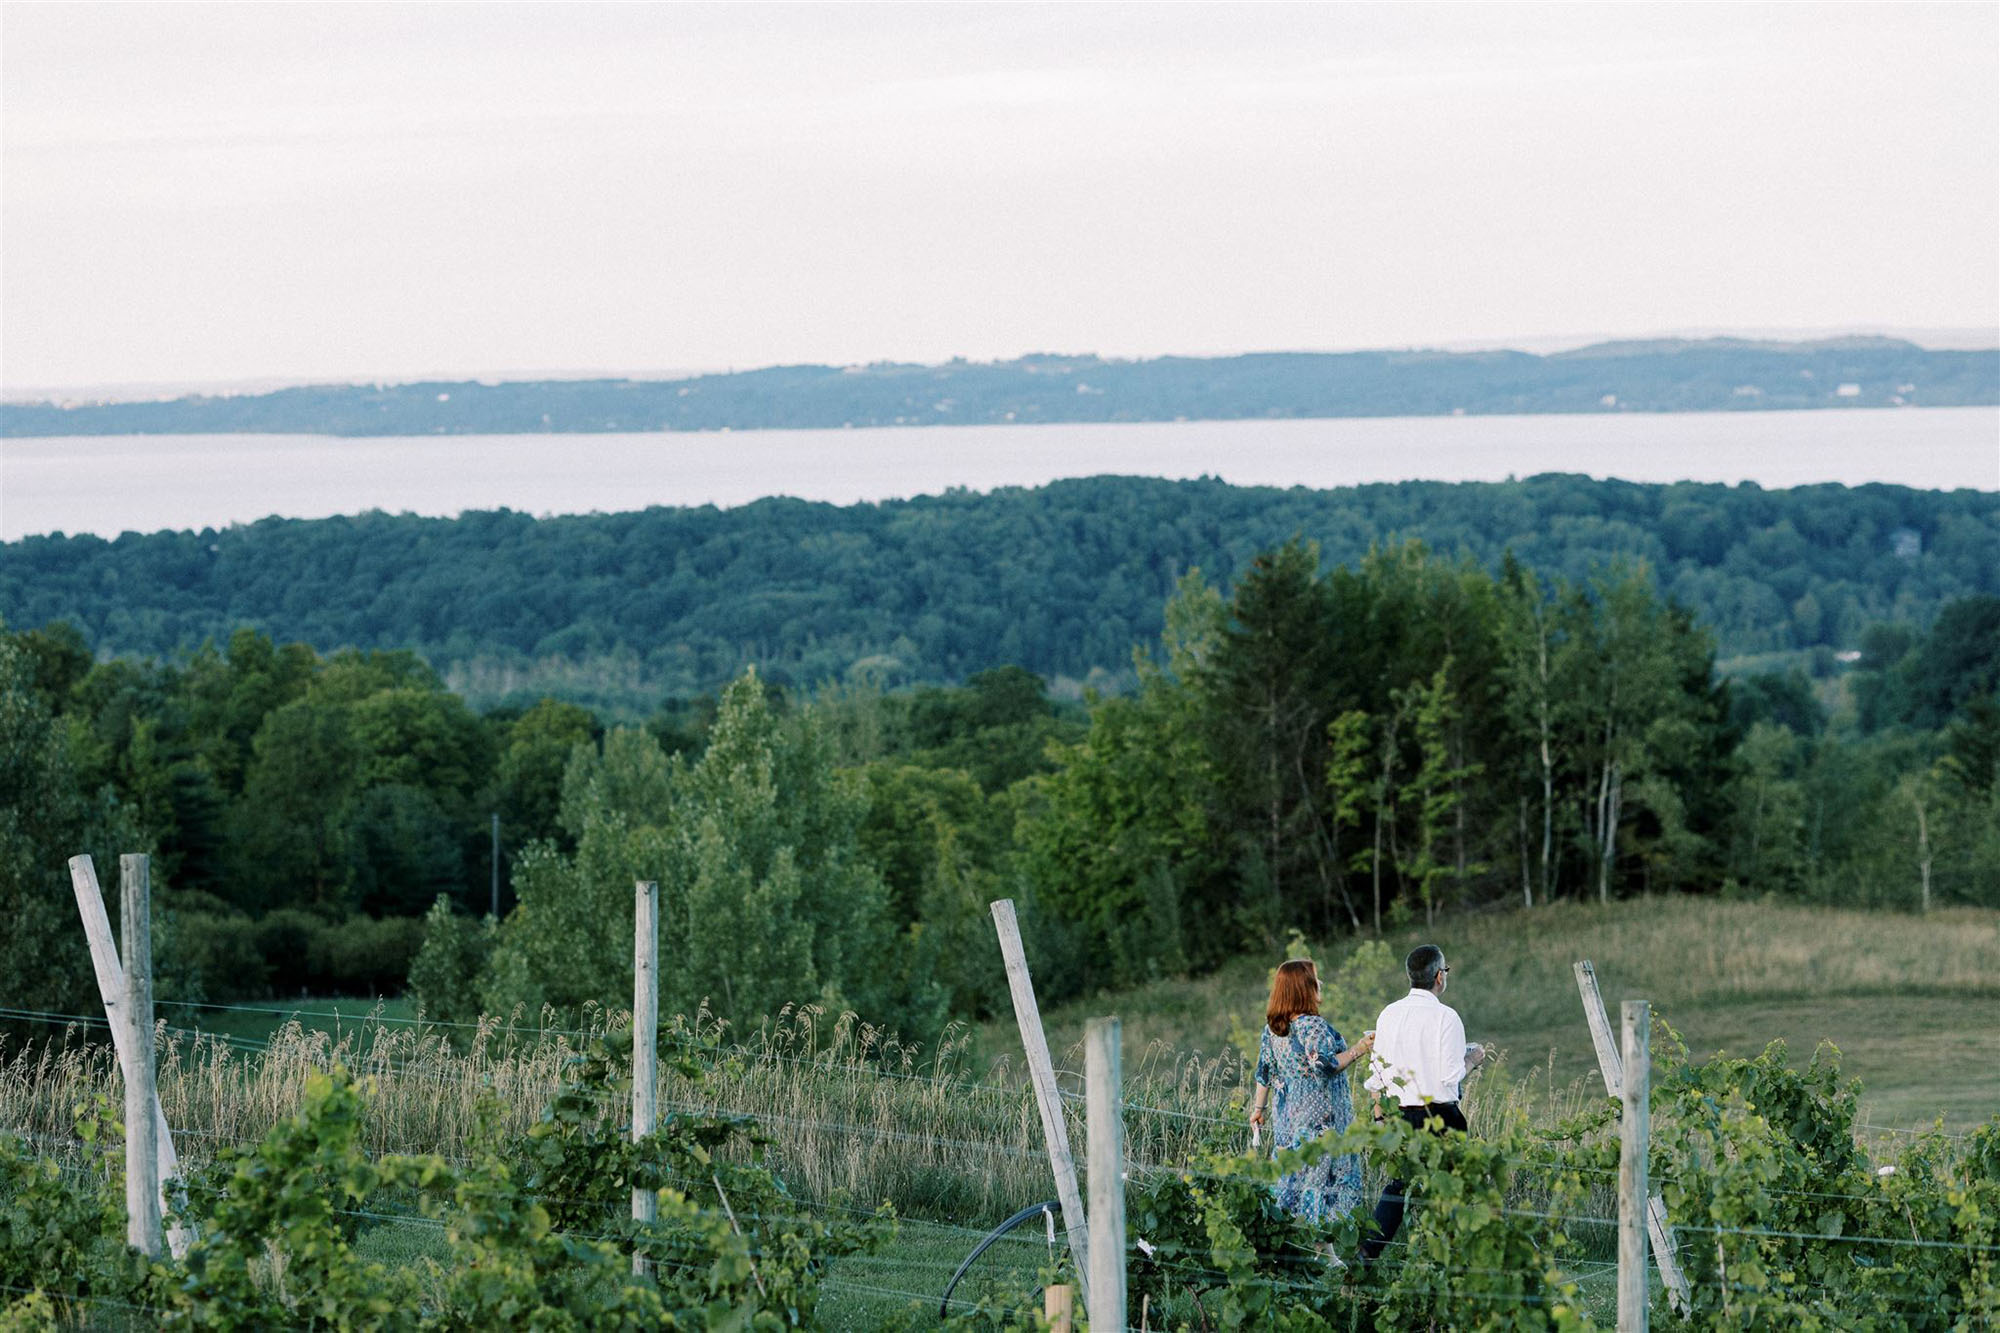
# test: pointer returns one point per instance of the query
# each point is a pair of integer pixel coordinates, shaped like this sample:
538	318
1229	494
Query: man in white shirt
1420	1058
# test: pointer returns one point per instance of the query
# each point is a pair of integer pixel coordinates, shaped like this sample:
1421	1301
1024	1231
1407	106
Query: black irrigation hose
1051	1208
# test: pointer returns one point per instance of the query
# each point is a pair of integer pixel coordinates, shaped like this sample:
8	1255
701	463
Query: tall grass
943	1133
849	1108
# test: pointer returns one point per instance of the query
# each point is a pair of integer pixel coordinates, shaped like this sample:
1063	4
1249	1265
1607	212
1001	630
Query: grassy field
1912	1003
331	1014
949	1133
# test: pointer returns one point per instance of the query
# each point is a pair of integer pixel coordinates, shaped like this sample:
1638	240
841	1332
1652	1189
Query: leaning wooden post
142	1161
1633	1195
111	990
1608	1064
1041	1071
1104	1122
645	1036
1600	1026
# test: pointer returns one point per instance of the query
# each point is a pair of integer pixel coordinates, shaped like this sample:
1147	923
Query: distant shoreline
1938	338
1831	409
701	432
1612	379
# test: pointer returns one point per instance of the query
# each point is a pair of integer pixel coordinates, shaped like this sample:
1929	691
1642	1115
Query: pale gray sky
194	193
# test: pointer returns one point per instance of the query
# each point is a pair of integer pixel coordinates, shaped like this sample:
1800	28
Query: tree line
1664	375
1322	748
614	611
1315	746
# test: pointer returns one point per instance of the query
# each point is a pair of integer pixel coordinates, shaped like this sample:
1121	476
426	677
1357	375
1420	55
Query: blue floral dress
1309	1096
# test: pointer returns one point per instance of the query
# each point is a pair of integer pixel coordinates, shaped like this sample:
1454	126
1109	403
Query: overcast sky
209	194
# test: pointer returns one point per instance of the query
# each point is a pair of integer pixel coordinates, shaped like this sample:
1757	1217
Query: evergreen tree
1268	693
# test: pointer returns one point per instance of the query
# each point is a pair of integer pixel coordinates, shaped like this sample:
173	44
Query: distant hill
619	609
1661	375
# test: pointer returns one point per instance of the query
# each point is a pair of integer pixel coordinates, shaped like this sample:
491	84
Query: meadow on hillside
1912	1003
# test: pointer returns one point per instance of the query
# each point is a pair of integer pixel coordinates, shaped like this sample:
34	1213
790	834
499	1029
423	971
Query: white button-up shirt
1419	1053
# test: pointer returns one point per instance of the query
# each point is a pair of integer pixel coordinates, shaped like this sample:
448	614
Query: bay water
143	483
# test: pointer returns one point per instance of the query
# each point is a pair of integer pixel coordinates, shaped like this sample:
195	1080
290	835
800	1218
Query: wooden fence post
1600	1027
1059	1307
1105	1126
1608	1065
142	1161
111	990
1633	1139
645	1036
1048	1098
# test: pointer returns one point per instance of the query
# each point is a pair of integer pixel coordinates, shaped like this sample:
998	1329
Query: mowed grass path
1912	1002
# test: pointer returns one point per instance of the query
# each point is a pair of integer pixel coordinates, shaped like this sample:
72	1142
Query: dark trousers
1389	1212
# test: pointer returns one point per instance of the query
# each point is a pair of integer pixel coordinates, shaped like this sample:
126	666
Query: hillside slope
1912	1003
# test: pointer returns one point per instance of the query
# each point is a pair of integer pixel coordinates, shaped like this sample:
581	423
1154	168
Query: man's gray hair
1423	964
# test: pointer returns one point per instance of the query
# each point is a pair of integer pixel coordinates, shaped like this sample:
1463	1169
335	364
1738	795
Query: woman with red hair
1302	1071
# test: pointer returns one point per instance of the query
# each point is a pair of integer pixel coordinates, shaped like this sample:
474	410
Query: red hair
1295	992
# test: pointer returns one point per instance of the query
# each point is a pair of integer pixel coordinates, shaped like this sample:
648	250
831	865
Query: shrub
298	952
62	1230
214	956
1794	1229
445	971
275	1246
285	939
363	955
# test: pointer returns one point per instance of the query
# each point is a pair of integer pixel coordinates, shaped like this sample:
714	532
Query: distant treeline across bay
618	610
1658	376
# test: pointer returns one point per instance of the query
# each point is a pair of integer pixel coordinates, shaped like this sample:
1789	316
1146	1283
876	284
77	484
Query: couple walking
1417	1054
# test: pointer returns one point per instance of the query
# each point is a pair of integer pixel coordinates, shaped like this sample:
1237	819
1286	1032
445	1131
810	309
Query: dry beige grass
849	1110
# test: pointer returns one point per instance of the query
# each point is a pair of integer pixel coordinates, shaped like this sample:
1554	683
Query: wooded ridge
1063	579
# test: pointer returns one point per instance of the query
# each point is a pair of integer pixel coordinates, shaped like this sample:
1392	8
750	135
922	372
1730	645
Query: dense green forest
1313	746
1721	374
617	610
